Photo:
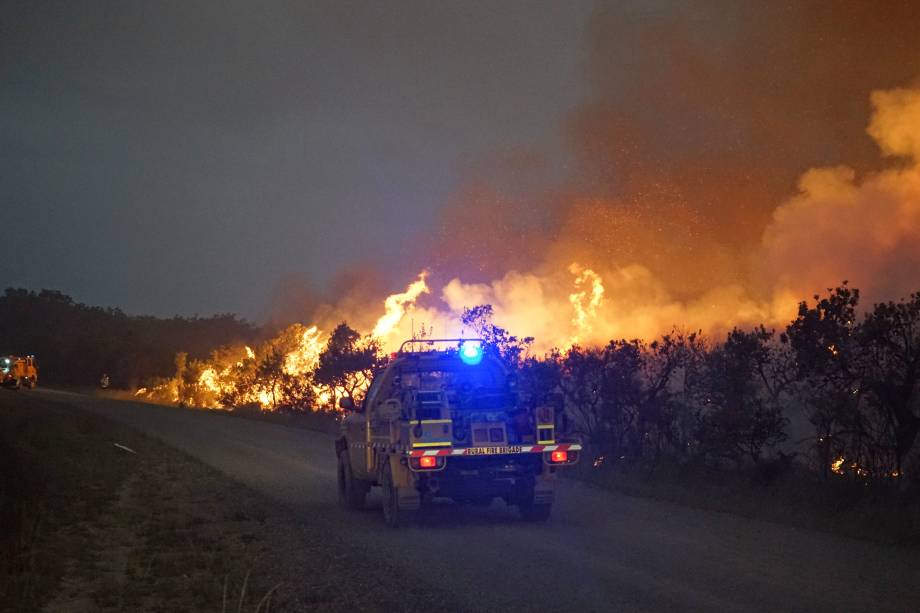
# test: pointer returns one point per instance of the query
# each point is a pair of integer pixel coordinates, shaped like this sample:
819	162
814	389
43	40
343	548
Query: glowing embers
471	353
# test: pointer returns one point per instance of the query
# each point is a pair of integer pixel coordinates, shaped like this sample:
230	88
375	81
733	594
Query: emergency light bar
428	344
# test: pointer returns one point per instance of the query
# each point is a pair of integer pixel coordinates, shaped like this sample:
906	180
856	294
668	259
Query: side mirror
346	404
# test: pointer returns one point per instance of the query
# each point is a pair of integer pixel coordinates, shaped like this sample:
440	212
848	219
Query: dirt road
601	551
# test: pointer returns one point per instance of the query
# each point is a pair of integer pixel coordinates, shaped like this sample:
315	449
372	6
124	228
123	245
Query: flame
397	305
223	376
304	358
839	467
583	302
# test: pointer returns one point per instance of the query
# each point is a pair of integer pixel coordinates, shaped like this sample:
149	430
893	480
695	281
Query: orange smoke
595	279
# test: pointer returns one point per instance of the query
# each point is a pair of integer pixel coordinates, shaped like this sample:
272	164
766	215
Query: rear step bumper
491	451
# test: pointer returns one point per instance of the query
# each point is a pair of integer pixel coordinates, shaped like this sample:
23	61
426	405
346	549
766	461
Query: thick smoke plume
720	170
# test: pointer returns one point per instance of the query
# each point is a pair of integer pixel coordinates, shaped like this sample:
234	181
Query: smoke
720	170
842	224
596	278
863	228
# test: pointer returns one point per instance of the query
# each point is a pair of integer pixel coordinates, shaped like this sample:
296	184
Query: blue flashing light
471	354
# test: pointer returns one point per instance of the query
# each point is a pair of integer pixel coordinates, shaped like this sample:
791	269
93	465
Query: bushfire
241	375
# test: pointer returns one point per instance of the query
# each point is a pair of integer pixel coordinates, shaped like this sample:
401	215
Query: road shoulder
110	519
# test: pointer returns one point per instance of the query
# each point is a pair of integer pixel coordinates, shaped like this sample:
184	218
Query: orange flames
397	304
585	301
224	373
207	383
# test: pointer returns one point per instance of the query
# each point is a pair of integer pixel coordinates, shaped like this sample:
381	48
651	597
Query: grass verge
90	526
790	496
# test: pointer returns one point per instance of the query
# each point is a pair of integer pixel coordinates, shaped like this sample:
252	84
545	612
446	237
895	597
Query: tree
889	339
537	379
738	416
667	364
76	343
347	363
509	348
270	373
826	374
582	375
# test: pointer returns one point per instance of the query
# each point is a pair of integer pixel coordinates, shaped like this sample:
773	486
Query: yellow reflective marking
433	421
444	444
545	426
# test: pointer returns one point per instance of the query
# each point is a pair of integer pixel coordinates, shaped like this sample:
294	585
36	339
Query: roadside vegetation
90	526
76	343
822	418
815	425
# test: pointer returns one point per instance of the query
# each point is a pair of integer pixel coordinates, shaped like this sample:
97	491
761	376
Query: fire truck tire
17	384
394	516
352	492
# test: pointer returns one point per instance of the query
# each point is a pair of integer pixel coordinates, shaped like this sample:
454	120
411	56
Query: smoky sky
698	120
196	157
184	157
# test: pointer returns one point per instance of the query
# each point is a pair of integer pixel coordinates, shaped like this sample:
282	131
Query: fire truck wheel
351	492
392	514
17	384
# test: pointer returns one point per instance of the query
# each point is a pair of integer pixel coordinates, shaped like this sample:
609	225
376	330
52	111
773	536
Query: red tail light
559	457
427	461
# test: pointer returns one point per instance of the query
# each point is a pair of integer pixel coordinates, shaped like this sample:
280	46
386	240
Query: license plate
492	450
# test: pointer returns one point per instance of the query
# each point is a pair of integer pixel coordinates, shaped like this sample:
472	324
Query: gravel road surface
601	551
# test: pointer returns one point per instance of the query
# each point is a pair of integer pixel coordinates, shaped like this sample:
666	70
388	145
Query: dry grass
97	528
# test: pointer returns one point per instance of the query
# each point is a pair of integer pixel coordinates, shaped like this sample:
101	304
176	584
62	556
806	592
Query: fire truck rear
450	423
17	372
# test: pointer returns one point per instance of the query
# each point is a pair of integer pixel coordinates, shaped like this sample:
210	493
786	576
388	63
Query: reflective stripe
433	421
524	449
440	444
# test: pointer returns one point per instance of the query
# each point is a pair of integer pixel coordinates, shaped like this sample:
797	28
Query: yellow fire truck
17	372
450	423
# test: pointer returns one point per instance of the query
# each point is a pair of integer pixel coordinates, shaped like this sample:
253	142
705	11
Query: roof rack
428	344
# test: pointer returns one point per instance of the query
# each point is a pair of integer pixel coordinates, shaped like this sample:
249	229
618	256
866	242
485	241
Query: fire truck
17	372
451	423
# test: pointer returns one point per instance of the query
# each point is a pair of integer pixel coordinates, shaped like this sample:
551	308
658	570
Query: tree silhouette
509	348
346	364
